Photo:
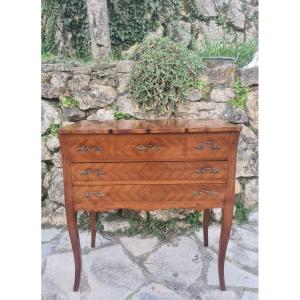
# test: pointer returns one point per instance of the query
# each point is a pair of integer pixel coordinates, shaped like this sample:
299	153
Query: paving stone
242	256
85	240
51	291
253	217
218	294
46	250
155	292
250	227
250	296
178	263
111	272
59	271
213	235
138	246
239	239
49	233
234	276
245	238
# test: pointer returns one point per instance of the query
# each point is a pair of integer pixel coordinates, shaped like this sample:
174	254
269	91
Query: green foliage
243	52
164	230
131	20
221	19
50	13
163	75
241	213
194	217
65	101
74	19
118	115
54	129
241	94
71	16
84	221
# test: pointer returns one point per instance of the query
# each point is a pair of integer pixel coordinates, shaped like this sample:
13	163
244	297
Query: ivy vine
75	20
131	20
50	13
71	17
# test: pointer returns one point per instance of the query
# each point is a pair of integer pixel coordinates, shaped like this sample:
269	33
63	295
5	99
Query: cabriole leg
75	242
224	237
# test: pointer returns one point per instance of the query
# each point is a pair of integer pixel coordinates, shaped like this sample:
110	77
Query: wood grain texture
148	126
228	208
145	171
149	165
149	197
148	147
71	213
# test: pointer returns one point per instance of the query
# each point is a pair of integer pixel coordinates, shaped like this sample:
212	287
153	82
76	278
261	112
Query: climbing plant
131	20
69	17
163	75
50	13
74	20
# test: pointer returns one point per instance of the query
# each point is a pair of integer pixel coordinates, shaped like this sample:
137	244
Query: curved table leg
205	226
93	228
224	237
75	242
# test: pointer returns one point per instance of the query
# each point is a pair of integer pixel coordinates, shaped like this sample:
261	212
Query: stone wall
101	90
215	20
197	20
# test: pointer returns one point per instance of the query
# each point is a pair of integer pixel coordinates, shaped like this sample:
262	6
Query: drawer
149	197
89	147
208	146
145	171
148	147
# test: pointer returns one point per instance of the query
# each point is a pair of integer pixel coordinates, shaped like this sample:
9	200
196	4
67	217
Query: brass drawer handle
97	194
148	146
207	170
88	172
213	146
94	148
202	192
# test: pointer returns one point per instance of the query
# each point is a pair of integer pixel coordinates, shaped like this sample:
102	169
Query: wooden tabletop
148	126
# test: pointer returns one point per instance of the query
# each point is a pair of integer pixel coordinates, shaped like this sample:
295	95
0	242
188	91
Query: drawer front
149	197
208	146
148	147
89	147
142	171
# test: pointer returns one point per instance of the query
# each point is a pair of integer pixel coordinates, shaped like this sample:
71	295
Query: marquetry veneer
149	165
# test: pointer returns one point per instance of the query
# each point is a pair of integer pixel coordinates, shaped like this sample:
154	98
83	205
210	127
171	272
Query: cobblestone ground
148	269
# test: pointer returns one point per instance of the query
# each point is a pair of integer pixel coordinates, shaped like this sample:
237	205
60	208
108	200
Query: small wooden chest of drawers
149	165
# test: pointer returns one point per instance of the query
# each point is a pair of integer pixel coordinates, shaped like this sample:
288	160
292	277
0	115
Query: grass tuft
68	102
241	95
242	52
241	213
